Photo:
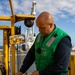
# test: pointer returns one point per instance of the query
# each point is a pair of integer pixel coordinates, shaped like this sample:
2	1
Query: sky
63	12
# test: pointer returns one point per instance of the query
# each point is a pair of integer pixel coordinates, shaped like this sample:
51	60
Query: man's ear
50	25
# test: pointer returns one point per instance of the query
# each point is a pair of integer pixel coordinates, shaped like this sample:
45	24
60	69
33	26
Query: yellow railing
72	65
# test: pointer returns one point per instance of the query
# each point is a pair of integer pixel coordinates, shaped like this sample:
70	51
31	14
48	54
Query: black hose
2	68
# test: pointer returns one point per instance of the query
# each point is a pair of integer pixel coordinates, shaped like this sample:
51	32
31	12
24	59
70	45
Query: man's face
44	29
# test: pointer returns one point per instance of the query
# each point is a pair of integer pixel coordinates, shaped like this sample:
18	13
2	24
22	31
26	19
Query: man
50	51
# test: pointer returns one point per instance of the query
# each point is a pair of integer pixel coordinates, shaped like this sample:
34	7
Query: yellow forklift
12	38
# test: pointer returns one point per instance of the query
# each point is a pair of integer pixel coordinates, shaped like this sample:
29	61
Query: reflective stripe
50	41
38	39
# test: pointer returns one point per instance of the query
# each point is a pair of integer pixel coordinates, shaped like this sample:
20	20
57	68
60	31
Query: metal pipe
33	8
12	11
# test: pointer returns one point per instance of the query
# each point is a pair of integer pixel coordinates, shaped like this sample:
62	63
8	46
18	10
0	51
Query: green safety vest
47	47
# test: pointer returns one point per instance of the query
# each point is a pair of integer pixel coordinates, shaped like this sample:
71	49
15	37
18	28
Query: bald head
45	17
45	23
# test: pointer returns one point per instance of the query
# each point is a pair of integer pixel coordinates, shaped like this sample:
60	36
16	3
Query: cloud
63	16
4	8
50	5
21	6
73	20
64	8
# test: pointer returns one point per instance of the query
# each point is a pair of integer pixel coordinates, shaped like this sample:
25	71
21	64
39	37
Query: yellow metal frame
72	65
14	18
6	51
3	27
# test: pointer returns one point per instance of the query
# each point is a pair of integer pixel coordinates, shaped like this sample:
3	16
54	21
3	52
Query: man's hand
19	73
35	73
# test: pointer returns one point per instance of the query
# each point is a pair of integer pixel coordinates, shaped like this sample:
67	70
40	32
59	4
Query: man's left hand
35	73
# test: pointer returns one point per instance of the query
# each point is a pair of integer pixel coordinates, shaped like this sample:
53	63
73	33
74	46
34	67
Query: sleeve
28	60
62	57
